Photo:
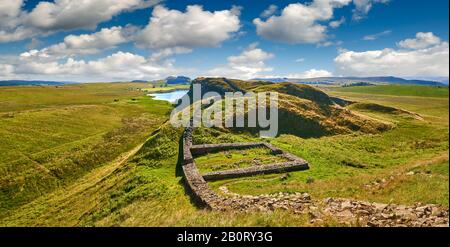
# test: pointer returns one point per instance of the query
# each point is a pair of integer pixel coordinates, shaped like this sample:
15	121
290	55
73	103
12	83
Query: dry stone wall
346	211
256	170
197	182
295	163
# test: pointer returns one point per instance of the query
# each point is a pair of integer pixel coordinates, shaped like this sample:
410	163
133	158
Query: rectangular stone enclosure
293	163
197	182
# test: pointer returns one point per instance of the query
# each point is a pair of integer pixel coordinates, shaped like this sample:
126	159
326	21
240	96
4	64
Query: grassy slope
343	165
234	159
305	110
435	110
169	88
148	190
37	97
398	90
53	135
136	193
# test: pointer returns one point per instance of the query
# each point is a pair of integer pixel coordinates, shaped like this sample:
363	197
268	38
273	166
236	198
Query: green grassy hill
399	90
148	190
53	135
304	111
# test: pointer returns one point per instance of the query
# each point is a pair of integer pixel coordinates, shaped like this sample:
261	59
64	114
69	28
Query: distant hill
441	79
358	84
351	80
303	110
178	80
276	80
32	83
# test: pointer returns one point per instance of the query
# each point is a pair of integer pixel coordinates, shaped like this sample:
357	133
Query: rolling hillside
351	80
32	83
303	110
142	185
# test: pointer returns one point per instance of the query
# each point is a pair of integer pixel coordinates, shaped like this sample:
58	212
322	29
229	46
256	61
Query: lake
172	97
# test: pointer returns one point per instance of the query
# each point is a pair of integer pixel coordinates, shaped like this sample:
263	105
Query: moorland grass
235	159
149	190
53	135
37	97
169	88
398	90
342	165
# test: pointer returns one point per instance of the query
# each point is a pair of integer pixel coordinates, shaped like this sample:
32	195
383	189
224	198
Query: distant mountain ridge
318	80
350	80
178	80
32	83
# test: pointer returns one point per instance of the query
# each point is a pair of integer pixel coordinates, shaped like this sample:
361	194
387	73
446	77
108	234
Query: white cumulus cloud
300	23
93	43
115	67
69	14
422	40
60	15
6	70
10	11
312	73
173	29
422	58
249	64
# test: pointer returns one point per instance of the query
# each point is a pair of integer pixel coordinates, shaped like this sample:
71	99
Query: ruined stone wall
209	148
187	144
346	211
197	182
194	180
294	164
256	170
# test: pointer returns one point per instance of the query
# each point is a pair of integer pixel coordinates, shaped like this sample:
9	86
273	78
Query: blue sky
299	39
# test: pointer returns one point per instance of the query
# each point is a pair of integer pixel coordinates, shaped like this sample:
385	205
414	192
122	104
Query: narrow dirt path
109	169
